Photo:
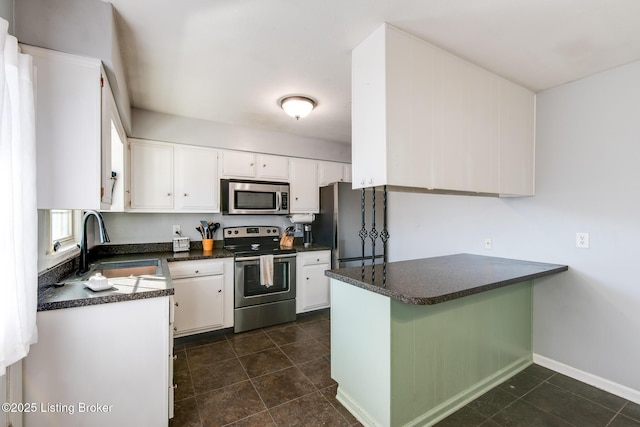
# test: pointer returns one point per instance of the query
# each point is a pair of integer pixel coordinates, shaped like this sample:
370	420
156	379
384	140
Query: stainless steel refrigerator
339	222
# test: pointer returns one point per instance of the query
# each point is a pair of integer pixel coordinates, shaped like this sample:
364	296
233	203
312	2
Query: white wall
170	128
6	11
81	27
587	180
157	227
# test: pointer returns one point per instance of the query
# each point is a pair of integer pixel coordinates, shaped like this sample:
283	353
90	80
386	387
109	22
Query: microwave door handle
278	201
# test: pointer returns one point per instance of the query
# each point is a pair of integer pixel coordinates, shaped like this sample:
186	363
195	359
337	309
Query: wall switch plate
582	240
488	244
176	230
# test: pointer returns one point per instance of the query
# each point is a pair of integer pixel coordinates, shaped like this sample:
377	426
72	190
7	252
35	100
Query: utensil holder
207	244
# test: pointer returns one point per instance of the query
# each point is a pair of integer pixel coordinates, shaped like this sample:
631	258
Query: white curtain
18	214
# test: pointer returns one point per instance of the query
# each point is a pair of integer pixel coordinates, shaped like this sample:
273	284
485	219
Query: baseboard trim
355	409
456	402
587	378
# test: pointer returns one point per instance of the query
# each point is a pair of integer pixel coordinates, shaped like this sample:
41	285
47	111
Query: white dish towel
266	270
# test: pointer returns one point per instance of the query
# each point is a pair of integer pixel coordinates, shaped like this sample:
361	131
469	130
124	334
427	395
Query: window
63	227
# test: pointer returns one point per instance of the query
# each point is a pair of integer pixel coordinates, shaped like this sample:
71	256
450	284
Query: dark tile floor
276	376
538	396
280	376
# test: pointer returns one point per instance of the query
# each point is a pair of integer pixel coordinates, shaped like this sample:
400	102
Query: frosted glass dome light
297	106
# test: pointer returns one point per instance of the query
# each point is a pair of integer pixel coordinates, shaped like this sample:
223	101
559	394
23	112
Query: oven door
248	289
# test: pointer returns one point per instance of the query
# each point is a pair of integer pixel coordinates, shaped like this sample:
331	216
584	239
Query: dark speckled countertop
439	279
73	293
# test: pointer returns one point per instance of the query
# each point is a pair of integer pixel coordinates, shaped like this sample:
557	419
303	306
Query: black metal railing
373	234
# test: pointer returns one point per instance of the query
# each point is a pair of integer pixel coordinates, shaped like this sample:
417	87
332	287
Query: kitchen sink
142	267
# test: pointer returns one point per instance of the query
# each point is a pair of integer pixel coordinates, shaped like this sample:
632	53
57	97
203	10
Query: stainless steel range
265	277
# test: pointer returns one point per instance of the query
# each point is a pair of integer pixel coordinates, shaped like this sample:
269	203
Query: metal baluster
373	234
363	230
384	236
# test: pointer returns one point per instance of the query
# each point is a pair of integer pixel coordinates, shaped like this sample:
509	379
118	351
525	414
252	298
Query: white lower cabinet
203	293
313	290
100	365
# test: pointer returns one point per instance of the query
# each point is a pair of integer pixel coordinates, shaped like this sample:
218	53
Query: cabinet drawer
317	257
195	268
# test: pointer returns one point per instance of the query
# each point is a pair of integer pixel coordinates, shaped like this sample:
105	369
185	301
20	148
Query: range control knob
235	232
228	231
268	230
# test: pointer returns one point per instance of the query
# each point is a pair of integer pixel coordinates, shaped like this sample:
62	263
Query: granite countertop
52	296
439	279
314	247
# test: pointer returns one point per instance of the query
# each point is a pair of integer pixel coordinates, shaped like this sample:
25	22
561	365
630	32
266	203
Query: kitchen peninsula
434	335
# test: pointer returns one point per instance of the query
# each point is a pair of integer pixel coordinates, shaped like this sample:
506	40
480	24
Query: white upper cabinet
151	175
73	131
167	177
329	172
517	141
274	168
425	119
238	164
304	190
196	179
243	164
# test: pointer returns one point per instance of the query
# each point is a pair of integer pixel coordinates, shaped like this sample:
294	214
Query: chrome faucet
104	237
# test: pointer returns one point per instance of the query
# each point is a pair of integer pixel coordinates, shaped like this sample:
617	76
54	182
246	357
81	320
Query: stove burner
254	241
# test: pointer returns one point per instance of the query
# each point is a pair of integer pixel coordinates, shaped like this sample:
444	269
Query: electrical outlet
582	240
176	230
488	243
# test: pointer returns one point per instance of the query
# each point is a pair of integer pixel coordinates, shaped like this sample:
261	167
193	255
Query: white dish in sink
98	282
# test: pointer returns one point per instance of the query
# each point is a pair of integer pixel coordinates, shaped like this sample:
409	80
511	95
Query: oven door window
252	285
256	200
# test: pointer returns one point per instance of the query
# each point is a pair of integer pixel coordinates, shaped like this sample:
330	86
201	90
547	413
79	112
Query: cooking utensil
201	231
205	229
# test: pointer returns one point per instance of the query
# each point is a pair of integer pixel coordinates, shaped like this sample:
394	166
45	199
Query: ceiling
230	61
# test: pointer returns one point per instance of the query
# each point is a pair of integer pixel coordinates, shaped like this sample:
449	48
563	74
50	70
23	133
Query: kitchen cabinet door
114	354
304	197
73	151
313	287
196	180
427	120
238	164
274	168
517	145
203	295
151	175
329	172
199	304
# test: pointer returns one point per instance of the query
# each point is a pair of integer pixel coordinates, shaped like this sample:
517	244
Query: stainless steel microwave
239	197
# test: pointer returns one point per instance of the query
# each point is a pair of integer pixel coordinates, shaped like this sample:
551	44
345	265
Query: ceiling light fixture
297	106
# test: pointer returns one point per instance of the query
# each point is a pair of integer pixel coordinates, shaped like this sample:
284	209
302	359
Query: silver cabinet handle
175	356
186	194
176	304
219	290
168	194
175	329
175	386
